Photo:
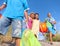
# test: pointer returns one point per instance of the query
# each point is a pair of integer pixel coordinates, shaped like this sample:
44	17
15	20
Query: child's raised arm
3	6
26	15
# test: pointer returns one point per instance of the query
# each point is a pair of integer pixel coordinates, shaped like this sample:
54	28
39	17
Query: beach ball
43	27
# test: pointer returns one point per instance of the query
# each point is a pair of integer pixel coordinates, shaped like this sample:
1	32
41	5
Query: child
50	21
13	15
39	35
28	35
30	21
35	25
36	16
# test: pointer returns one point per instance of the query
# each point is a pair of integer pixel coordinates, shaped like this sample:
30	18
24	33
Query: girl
30	21
35	25
39	35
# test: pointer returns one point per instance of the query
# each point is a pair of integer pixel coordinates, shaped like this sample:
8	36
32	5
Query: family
14	14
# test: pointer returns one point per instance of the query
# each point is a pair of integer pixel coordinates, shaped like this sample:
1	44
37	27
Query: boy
13	15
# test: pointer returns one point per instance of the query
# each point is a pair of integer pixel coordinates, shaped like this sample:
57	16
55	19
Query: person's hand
26	21
53	22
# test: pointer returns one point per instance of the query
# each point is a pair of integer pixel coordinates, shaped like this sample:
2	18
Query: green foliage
56	38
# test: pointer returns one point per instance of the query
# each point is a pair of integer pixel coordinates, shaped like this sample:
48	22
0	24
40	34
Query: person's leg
13	40
52	32
51	38
17	30
4	24
17	41
50	35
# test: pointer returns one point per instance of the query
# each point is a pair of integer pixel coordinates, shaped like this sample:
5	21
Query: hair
36	14
32	13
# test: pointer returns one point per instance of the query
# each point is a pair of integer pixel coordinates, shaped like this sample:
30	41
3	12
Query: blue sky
43	7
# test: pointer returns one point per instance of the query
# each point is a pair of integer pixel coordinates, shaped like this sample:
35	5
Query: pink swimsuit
29	25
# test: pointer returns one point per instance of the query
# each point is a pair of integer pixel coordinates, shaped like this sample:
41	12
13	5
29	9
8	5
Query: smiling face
37	16
32	15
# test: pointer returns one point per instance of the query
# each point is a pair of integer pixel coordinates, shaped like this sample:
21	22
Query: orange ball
43	27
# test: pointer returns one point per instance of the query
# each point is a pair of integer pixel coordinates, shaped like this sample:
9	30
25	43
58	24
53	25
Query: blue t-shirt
15	8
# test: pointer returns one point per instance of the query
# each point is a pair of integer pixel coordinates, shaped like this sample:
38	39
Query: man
13	15
50	21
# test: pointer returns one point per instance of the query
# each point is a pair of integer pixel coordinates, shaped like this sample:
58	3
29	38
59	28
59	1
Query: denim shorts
16	26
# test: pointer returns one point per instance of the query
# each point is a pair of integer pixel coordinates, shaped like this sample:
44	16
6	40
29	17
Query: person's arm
40	24
3	6
26	15
25	5
53	21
